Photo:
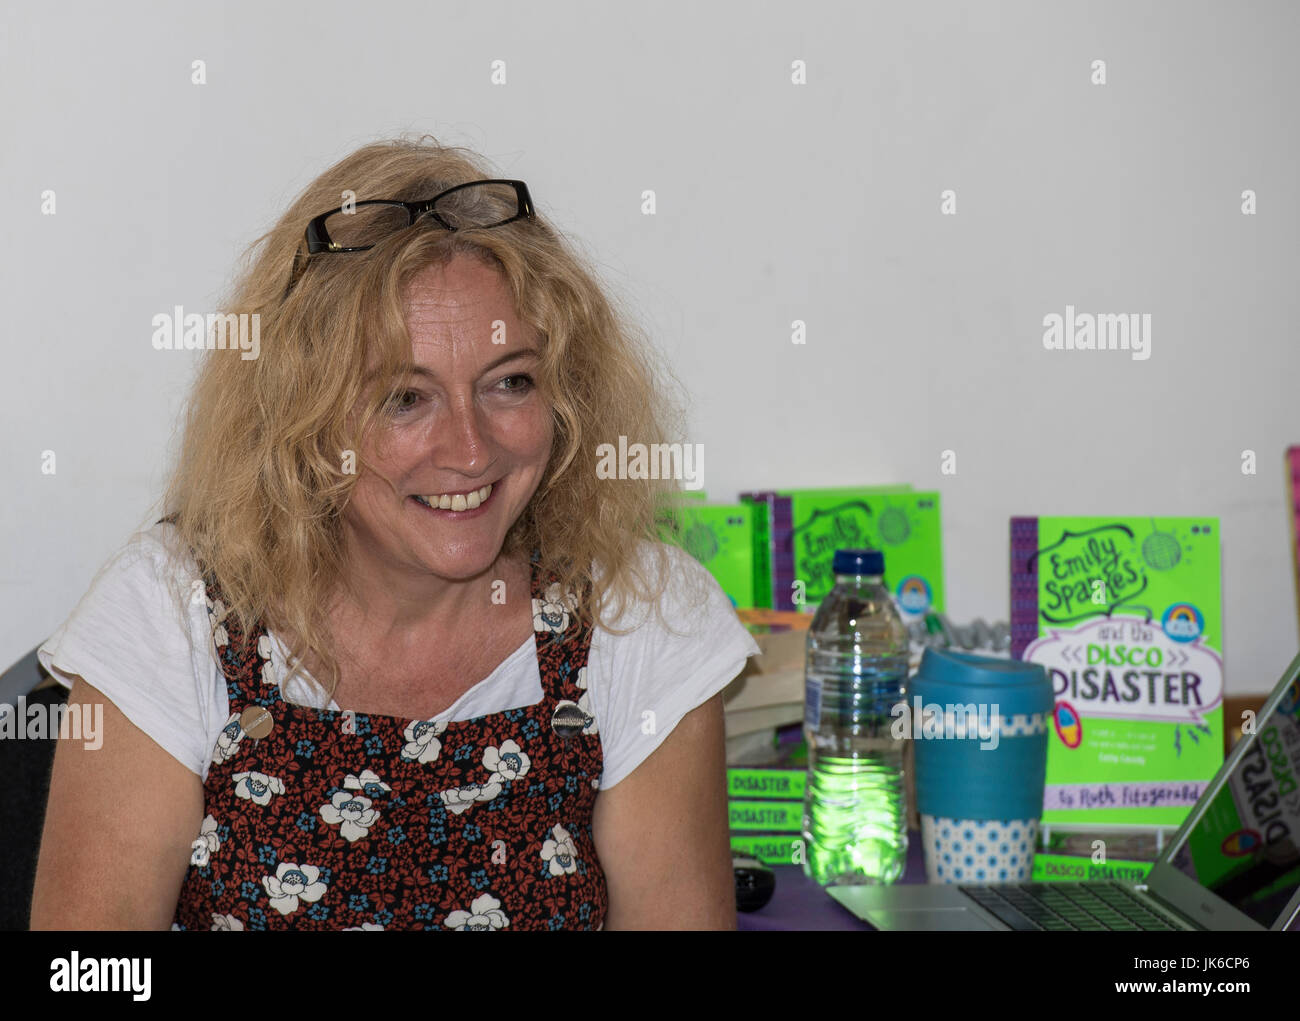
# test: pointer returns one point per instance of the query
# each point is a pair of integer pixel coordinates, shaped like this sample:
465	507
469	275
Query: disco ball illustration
1161	550
701	543
893	525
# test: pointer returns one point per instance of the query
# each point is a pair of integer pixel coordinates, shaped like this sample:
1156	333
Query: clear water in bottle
855	811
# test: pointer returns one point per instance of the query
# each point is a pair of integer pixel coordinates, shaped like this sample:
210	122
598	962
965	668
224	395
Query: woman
397	657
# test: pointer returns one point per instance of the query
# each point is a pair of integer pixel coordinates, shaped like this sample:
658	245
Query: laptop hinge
1167	909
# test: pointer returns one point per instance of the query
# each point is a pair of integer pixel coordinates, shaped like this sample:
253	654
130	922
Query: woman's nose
463	447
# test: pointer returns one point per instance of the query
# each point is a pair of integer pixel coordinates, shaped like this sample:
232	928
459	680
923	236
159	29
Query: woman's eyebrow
526	352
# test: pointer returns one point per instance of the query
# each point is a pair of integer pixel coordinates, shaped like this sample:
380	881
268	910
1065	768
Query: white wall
776	202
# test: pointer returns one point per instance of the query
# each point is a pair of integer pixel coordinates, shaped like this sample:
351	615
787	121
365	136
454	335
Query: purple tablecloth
799	903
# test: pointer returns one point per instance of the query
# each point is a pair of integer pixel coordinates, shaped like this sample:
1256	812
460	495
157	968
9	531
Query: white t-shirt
139	637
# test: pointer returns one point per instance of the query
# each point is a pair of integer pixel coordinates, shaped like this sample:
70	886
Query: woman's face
471	418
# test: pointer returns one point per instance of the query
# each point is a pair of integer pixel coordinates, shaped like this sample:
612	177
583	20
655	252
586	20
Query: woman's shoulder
157	557
665	659
137	635
662	585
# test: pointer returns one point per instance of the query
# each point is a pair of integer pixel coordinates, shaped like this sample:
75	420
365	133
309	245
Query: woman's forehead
463	298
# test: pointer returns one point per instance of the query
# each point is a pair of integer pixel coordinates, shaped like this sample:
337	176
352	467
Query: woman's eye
517	383
398	403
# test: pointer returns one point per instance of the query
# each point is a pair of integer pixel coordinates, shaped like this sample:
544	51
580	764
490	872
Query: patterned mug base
978	851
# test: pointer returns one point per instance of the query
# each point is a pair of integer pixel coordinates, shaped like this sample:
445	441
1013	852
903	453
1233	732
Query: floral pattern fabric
341	820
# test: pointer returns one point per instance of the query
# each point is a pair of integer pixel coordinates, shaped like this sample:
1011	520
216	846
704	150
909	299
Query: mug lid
948	666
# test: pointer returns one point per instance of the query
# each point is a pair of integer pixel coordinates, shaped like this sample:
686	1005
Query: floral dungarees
336	820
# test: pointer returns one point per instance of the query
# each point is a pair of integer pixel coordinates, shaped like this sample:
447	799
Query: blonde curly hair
258	488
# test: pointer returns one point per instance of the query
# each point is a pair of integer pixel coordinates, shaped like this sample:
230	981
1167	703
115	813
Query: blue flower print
319	912
306	822
458	799
471	832
478	879
304	749
438	873
555	922
256	918
424	912
396	835
383	916
377	866
352	814
422	744
514	715
559	853
207	844
266	855
249	891
484	914
218	887
228	740
293	884
551	613
462	753
531	729
374	745
368	783
509	762
358	902
555	801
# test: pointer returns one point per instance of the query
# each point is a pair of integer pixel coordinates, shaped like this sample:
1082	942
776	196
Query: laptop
1234	864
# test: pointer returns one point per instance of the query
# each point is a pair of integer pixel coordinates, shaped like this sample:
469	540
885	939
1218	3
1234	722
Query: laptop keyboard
1091	907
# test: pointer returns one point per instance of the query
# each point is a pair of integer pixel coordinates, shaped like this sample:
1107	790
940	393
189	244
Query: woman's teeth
457	501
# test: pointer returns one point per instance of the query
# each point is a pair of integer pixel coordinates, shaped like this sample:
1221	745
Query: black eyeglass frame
318	238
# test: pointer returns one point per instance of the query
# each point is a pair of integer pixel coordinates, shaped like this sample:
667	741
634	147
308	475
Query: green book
767	816
780	784
1246	836
719	536
1066	868
797	532
1124	615
769	848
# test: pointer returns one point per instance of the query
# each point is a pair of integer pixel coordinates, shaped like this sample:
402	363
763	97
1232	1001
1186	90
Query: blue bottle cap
858	561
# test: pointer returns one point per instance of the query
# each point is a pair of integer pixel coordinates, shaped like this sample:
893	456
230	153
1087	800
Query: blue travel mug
980	727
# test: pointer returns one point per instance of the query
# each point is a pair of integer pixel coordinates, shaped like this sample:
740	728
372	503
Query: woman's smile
466	504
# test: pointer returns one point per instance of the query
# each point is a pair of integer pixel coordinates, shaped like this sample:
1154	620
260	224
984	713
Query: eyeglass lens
480	205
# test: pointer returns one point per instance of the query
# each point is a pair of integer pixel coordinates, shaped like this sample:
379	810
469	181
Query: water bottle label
812	702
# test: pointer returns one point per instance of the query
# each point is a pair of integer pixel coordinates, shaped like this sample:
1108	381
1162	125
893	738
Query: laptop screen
1245	848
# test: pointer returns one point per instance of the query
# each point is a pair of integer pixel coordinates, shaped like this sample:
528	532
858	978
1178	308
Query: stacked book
765	812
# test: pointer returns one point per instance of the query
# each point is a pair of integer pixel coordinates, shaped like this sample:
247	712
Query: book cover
797	532
765	812
1245	844
719	536
1124	614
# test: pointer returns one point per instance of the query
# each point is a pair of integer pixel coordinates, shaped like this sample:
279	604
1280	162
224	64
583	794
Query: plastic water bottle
855	811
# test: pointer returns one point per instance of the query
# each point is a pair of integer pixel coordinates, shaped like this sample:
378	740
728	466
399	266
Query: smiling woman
398	656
